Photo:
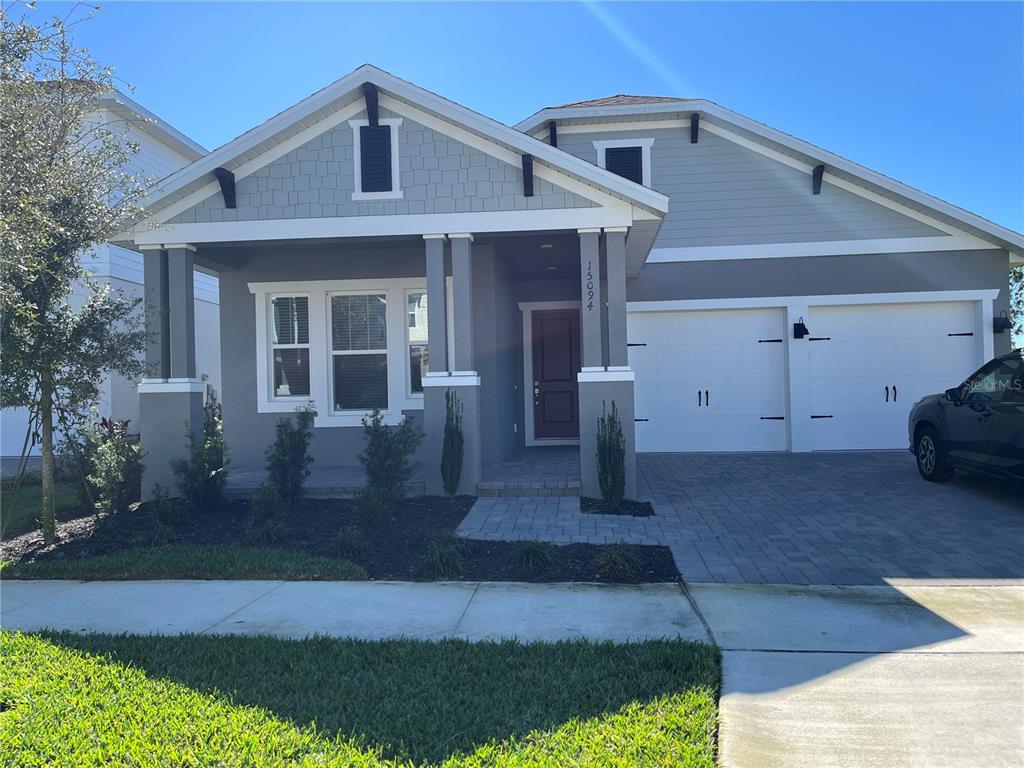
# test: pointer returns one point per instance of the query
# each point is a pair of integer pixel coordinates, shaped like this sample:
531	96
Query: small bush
288	456
202	474
452	447
611	456
108	464
266	504
349	542
442	559
617	562
535	555
165	513
387	461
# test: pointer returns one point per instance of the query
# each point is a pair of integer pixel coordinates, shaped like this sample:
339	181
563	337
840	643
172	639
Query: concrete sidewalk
816	677
365	610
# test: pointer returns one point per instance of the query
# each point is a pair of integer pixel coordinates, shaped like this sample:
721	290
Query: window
416	314
376	160
359	352
991	383
290	345
628	162
629	158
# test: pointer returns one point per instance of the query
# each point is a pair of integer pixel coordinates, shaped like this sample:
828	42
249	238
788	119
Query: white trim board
822	248
528	308
624	125
756	302
399	224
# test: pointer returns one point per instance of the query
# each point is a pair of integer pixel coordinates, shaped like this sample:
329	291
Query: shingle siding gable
438	175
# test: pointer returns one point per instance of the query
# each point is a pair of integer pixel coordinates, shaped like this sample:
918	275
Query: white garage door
870	364
709	380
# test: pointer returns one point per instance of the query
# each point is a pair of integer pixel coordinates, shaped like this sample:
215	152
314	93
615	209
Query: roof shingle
619	100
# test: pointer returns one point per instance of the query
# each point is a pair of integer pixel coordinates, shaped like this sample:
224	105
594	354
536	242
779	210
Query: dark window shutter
375	157
626	162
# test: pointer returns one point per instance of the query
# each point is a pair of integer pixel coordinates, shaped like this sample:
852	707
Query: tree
67	187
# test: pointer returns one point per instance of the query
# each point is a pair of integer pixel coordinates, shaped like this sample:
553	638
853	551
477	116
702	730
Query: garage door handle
636	344
969	333
707	398
826	416
641	419
887	393
894	393
773	418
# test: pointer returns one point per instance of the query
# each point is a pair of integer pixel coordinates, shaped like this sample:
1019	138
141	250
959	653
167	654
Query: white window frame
321	369
290	400
645	153
332	352
396	176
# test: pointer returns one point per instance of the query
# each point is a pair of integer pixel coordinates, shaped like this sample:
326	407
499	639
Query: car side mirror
954	395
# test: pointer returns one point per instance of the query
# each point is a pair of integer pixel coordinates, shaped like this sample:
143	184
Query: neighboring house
729	287
162	150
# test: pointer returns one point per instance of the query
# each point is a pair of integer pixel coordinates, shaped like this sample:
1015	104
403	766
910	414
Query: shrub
288	456
202	474
442	559
386	459
452	447
109	463
617	562
611	456
535	555
164	513
265	505
349	542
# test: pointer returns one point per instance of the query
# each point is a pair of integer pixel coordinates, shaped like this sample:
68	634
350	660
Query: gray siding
824	275
438	175
724	194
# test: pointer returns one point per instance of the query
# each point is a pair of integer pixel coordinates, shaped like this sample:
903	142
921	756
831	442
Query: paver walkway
821	518
816	677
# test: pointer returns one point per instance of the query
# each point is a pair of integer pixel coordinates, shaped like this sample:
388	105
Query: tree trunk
46	520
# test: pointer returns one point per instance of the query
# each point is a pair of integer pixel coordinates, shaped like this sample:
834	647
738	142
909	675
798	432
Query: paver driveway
823	518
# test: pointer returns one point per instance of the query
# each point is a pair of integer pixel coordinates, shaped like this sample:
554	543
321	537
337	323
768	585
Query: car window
992	382
1015	394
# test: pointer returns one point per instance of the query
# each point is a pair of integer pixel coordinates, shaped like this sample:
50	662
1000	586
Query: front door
556	361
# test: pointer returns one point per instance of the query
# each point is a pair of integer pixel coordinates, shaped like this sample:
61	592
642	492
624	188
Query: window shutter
375	157
626	162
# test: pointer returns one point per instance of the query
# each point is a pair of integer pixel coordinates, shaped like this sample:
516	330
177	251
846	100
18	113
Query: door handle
707	398
894	393
699	402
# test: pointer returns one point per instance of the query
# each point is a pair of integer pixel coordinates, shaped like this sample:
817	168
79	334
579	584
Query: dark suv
978	426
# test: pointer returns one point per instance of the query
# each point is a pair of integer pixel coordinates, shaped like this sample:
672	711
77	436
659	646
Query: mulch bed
390	548
625	507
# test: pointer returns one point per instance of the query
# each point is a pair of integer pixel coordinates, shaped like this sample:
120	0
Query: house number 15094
590	285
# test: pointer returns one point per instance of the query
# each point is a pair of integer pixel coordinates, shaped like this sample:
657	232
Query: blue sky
930	94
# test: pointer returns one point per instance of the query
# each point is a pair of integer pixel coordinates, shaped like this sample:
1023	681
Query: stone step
525	488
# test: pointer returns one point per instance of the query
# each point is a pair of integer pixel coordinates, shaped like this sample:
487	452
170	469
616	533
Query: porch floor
324	482
536	471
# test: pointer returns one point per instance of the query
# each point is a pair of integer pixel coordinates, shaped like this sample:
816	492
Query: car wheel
931	457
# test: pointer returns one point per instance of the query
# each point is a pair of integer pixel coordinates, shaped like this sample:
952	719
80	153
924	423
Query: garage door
870	364
709	381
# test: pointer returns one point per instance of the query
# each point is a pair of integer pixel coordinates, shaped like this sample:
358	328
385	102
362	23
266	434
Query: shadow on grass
423	701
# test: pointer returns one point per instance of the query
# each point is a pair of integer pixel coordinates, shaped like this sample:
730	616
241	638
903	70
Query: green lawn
19	510
101	700
189	562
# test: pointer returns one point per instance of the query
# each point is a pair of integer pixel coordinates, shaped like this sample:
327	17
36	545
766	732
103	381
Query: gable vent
375	158
626	162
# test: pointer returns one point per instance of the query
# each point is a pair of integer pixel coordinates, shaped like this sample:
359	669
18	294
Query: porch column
615	256
462	302
590	296
437	325
461	382
171	398
158	351
182	309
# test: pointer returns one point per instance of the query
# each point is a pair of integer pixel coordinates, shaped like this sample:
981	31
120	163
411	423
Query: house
727	286
162	150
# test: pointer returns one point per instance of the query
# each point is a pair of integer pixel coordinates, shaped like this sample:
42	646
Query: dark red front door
556	361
